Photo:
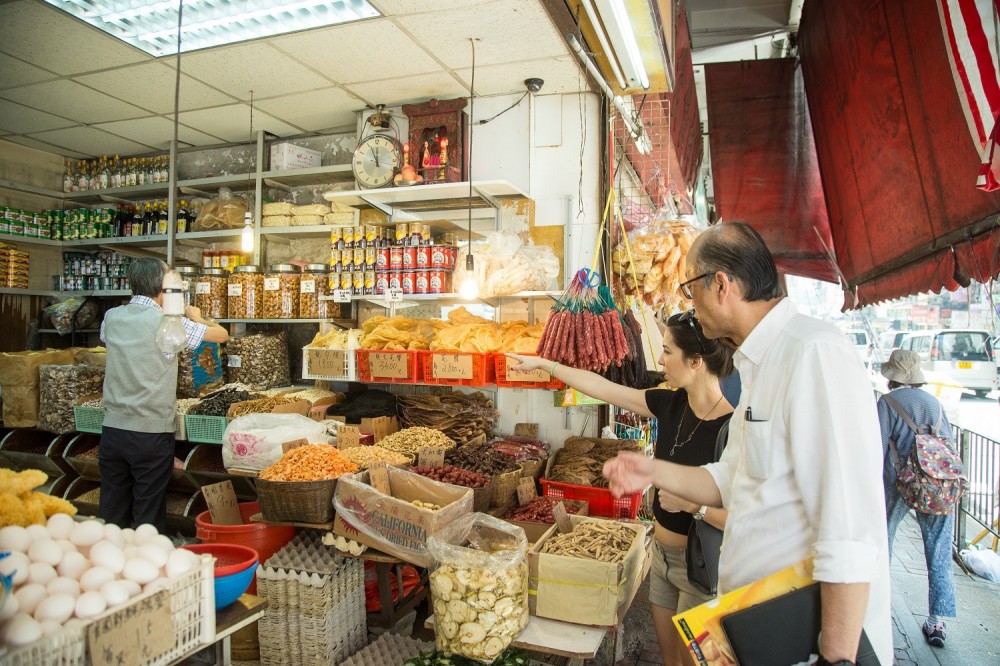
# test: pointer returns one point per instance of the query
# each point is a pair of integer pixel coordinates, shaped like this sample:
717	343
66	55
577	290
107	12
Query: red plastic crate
601	502
500	363
414	371
483	372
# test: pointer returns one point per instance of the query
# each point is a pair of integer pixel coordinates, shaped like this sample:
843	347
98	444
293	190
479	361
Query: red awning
764	165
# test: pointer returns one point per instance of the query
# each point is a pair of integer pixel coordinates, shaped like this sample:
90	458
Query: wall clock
376	160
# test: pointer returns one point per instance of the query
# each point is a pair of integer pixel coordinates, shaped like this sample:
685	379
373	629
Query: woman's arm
634	400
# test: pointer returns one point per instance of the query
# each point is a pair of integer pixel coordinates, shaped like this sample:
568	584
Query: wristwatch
843	662
700	515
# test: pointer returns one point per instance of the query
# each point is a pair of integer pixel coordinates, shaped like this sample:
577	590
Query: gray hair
145	276
735	248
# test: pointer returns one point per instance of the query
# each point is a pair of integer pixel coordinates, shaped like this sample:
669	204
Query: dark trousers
135	470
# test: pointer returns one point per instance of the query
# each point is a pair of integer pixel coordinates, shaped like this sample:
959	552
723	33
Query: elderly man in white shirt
801	475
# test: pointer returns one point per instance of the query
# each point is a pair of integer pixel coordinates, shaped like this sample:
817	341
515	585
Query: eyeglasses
686	288
690	318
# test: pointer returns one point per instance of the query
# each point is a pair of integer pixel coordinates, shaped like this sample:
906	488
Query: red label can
381	281
395	257
395	280
409	257
436	281
382	259
420	281
423	256
440	257
406	282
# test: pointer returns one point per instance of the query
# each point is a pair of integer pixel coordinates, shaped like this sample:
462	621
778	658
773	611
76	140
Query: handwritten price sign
136	634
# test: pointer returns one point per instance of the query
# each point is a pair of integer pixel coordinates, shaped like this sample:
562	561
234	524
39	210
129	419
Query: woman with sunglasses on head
690	418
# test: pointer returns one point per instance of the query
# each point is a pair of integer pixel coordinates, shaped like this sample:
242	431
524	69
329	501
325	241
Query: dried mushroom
259	360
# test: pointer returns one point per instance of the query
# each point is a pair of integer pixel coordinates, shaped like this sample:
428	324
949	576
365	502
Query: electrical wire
489	120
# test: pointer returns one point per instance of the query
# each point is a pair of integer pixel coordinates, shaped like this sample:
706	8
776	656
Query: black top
669	409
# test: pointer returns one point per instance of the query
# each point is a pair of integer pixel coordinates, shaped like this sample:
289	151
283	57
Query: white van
965	355
859	338
887	343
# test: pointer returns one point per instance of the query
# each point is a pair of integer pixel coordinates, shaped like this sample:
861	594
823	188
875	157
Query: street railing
976	519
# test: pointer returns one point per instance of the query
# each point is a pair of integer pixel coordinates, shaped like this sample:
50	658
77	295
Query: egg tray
388	650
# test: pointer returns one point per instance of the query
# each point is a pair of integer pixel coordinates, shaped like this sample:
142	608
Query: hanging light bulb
171	336
246	238
469	288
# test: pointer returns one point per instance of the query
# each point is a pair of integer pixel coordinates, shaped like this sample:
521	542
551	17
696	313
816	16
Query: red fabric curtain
764	165
893	146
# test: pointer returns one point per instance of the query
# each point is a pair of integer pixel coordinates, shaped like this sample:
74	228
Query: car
965	355
859	338
888	341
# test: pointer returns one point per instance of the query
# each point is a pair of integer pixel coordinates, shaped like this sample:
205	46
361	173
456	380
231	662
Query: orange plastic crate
500	363
483	372
414	371
601	502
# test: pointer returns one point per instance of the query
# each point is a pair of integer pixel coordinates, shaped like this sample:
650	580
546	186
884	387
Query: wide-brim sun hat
903	367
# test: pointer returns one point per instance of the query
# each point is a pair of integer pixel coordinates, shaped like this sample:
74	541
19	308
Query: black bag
705	541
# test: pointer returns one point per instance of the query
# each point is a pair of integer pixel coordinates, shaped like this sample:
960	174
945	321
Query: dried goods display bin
205	429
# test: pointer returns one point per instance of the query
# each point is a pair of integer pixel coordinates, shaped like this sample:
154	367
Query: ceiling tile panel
561	75
255	66
404	7
157	132
151	86
504	28
42	145
232	122
316	110
411	89
92	142
73	101
54	40
15	72
378	50
20	119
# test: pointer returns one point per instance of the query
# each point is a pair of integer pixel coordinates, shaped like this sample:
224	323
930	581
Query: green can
42	222
55	224
31	226
17	224
4	220
71	225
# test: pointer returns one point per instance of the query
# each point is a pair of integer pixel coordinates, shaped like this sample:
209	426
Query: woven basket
505	487
482	497
532	468
296	501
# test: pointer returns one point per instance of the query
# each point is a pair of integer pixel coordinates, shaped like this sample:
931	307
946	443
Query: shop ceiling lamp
624	48
151	26
469	288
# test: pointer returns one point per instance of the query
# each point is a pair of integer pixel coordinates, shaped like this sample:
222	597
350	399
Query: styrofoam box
289	156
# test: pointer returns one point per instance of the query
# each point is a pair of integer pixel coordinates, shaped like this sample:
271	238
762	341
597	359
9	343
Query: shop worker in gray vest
136	454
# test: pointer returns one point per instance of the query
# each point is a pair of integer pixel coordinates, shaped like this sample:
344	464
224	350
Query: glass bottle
105	173
150	170
116	174
68	177
182	216
130	173
82	179
162	219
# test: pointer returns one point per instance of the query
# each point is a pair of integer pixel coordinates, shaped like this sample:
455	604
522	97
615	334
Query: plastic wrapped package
505	266
276	208
479	586
254	441
276	221
224	212
258	360
60	387
77	308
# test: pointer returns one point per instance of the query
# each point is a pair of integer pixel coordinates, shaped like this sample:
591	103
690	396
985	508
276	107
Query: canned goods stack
13	267
30	224
369	259
94	271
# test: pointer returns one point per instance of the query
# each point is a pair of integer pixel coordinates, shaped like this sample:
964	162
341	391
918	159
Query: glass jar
210	293
246	293
281	292
315	283
189	276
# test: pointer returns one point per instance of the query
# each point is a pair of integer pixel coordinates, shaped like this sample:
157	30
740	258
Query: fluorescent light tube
614	16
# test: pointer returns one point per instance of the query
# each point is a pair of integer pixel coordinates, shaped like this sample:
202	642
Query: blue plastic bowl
229	588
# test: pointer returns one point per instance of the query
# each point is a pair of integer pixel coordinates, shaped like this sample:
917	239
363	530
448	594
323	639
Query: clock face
376	161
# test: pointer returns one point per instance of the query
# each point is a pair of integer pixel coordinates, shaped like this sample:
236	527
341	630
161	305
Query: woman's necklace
678	444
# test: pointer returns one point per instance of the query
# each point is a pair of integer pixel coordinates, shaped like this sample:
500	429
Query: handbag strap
893	450
721	440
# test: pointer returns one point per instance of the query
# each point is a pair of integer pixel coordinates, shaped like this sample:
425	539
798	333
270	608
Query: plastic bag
985	563
479	586
64	312
505	266
254	441
225	212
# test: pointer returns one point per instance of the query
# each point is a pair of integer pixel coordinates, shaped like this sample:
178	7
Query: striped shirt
920	406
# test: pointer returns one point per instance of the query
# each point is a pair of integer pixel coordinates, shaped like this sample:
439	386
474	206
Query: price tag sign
234	290
136	634
393	295
380	426
522	376
222	504
307	287
202	288
563	522
235	361
341	295
431	456
526	430
389	365
378	476
327	362
452	366
526	491
294	444
272	284
348	436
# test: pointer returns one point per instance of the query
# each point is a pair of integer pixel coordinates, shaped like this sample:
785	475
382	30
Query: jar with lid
246	293
315	283
210	293
281	292
189	276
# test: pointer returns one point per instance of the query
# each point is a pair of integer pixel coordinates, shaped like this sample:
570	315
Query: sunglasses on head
689	318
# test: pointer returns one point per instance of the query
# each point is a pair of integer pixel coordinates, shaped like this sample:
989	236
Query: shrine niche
435	146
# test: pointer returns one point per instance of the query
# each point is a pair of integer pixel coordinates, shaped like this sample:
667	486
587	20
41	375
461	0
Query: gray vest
140	385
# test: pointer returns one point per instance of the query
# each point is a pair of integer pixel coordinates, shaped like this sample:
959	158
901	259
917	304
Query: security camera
533	85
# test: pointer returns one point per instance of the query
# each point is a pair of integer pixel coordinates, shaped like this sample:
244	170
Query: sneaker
935	633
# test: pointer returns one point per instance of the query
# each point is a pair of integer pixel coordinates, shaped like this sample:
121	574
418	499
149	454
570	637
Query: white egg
128	534
38	532
153	553
60	525
21	629
50	627
158	584
73	565
57	607
93	578
16	565
67	546
29	596
73	623
90	604
180	562
164	542
144	533
64	585
45	551
39	572
116	592
108	555
10	608
140	570
130	552
113	533
131	586
14	537
86	534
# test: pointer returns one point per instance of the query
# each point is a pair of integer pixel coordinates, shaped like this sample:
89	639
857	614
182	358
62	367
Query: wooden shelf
313	176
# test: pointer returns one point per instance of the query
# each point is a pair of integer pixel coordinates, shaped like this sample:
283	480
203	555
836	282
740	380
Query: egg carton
388	650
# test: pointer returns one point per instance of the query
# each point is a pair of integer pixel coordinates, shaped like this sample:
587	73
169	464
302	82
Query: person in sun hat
905	379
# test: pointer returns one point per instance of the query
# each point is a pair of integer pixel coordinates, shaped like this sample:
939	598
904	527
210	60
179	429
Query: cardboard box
390	523
378	427
585	591
289	156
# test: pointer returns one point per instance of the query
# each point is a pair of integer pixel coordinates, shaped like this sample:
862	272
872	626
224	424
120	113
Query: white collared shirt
802	473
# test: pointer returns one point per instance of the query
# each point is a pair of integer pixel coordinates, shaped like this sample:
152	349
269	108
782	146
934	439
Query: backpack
933	478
